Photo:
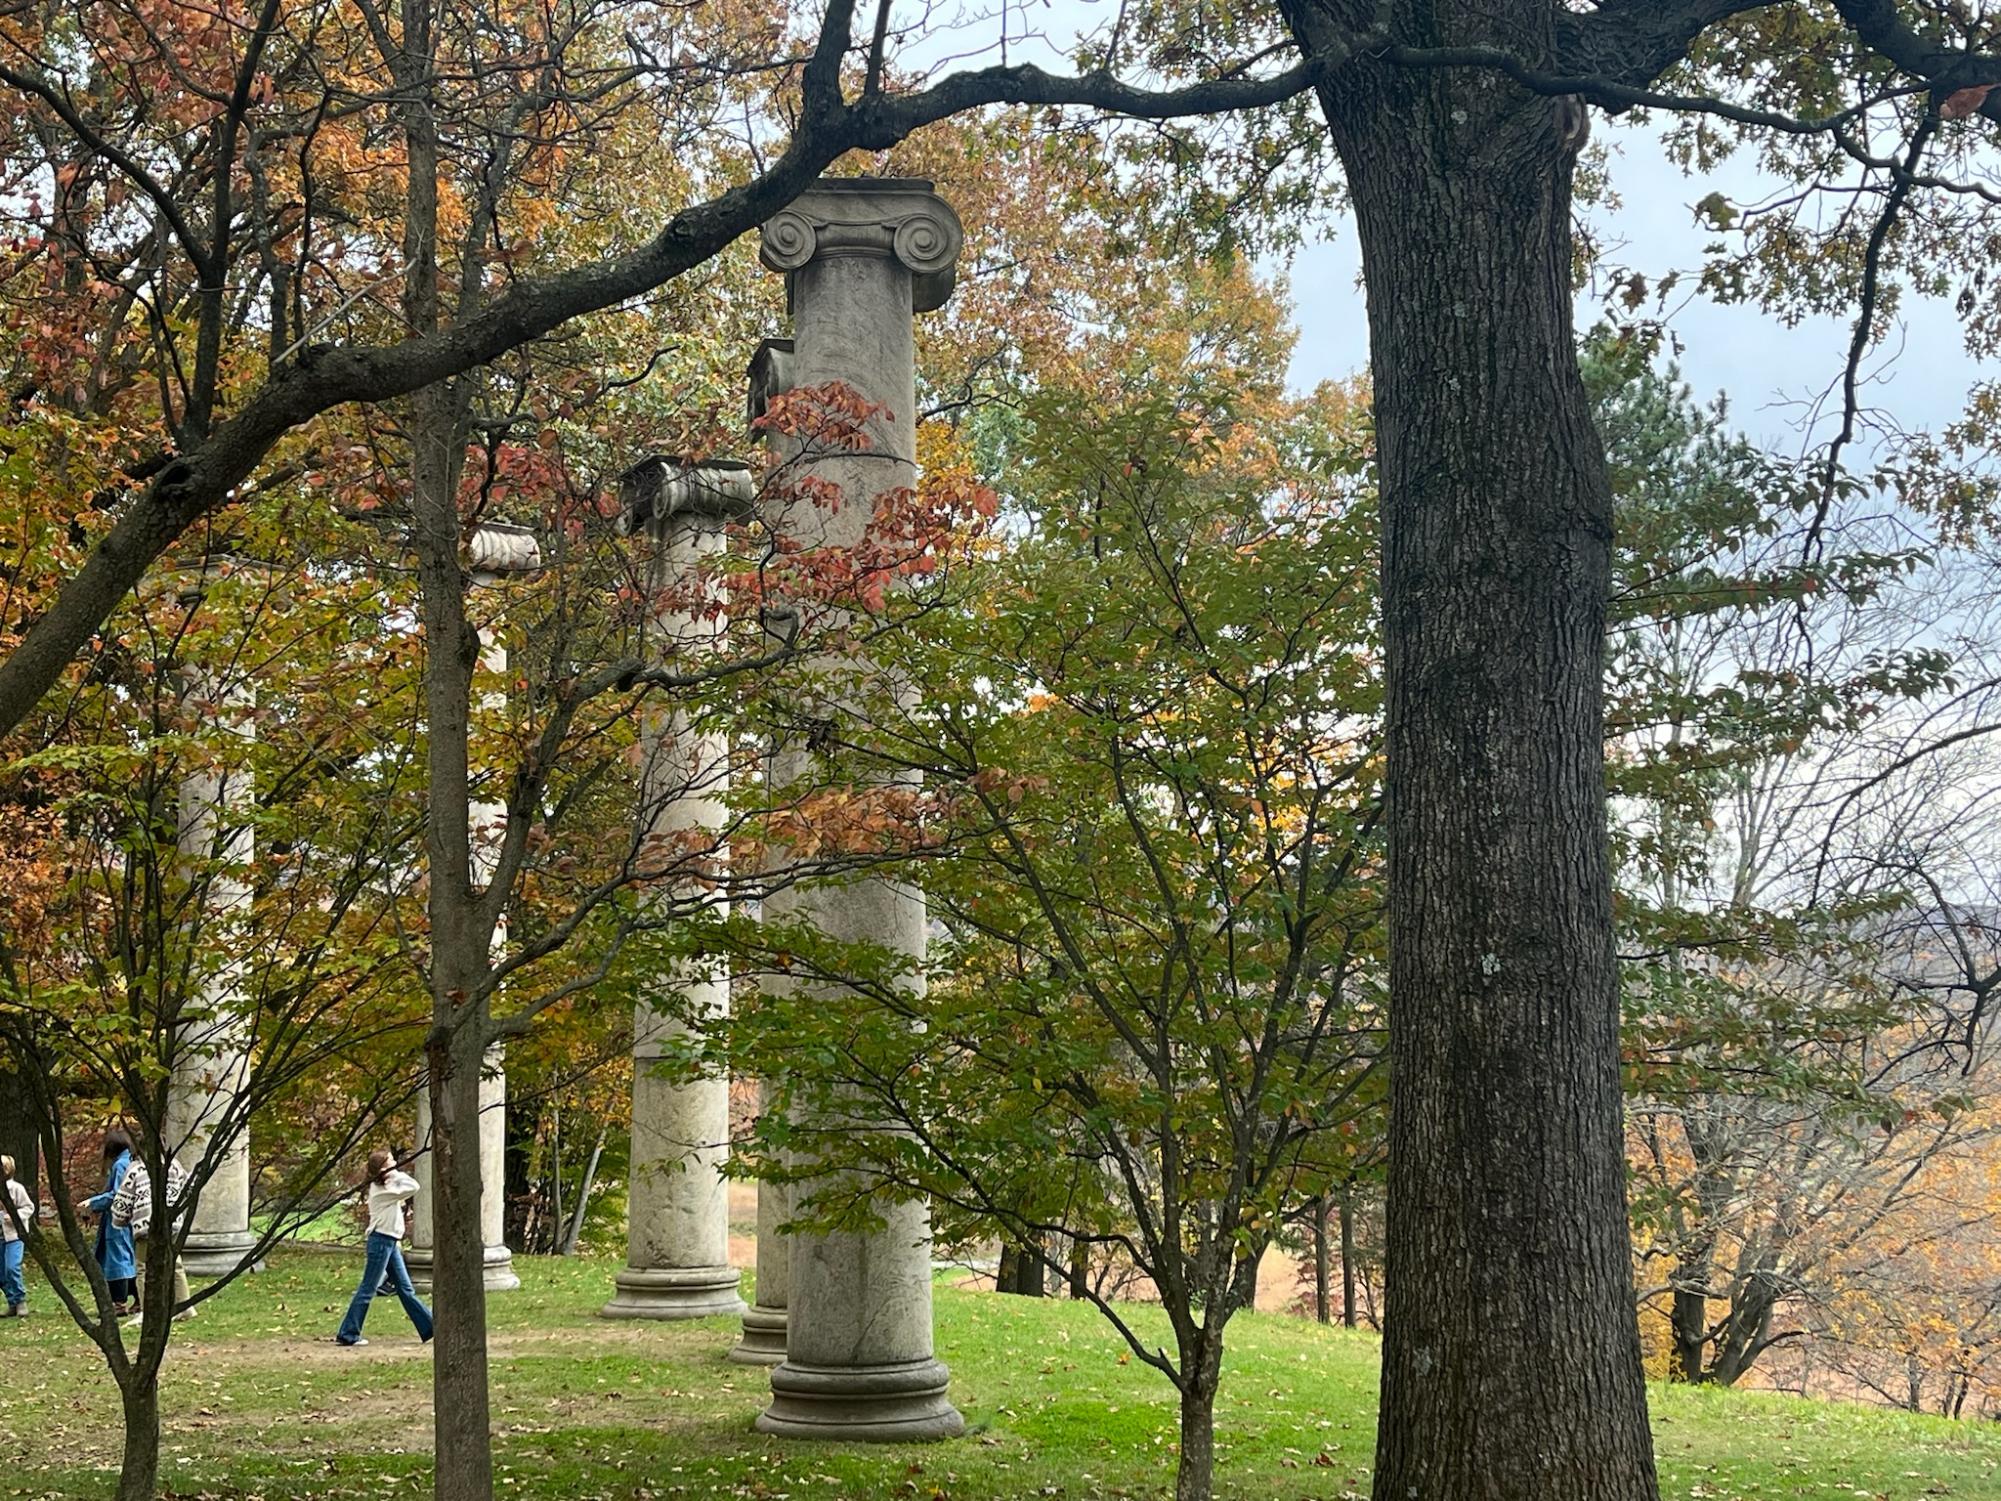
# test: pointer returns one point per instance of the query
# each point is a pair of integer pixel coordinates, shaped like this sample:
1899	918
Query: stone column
419	1242
210	1063
497	551
764	1323
678	1224
419	1249
497	1262
860	256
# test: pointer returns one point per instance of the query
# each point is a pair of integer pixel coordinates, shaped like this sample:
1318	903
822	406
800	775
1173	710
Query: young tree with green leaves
1457	127
1148	737
201	926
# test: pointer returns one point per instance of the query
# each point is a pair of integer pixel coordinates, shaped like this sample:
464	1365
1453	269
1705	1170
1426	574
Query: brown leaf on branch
1963	102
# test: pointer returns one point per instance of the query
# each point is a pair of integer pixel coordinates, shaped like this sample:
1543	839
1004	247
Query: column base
680	1292
890	1404
496	1272
216	1253
763	1341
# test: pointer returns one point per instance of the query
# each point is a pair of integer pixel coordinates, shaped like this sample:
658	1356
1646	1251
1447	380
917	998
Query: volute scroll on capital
897	218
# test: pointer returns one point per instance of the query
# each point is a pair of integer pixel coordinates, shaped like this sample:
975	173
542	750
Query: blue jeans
11	1253
385	1254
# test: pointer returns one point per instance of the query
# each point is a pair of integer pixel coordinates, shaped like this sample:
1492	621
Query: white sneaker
354	1344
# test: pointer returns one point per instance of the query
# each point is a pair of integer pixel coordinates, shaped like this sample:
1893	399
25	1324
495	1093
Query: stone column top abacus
656	490
899	218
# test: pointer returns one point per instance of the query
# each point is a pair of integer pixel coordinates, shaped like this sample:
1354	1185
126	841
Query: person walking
389	1192
13	1243
133	1208
114	1242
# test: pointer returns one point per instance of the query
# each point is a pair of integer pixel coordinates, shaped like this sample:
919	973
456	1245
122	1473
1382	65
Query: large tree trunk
1030	1274
460	960
20	1133
1688	1321
1746	1330
1511	1356
454	1053
458	1286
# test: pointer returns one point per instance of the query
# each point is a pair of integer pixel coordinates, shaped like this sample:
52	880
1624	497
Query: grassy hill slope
261	1403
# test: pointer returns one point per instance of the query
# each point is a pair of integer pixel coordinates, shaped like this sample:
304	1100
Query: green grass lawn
260	1403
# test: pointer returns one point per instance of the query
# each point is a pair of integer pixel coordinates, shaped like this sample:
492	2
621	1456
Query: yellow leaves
849	820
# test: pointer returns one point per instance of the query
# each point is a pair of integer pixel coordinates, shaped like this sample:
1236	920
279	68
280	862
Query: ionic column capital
896	218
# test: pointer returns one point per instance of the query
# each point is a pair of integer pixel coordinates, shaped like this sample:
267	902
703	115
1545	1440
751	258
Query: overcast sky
1771	373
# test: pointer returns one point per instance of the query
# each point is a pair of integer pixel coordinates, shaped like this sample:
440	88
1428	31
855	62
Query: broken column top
894	217
500	549
770	374
657	489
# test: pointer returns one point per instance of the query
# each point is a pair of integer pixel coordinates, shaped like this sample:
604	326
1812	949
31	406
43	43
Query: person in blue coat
114	1242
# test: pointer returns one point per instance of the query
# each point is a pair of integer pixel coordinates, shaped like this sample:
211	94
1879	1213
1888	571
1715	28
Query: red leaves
906	535
832	418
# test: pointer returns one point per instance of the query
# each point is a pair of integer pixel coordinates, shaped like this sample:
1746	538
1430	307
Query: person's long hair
378	1164
116	1143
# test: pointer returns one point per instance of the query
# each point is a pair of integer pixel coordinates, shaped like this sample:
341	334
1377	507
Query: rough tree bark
459	967
1030	1274
1347	1212
1507	1195
460	960
20	1138
1201	1373
139	1472
1689	1324
1321	1290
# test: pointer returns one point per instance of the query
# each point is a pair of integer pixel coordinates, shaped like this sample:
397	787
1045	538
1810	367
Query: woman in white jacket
11	1245
389	1191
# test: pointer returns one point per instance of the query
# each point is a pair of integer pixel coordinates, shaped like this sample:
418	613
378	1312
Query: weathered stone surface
764	1323
897	223
860	255
210	1065
677	1231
